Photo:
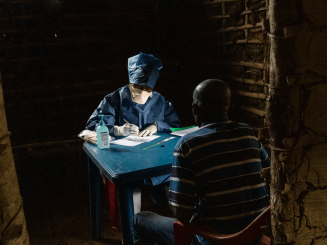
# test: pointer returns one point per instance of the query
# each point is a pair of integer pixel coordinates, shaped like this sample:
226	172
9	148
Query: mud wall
308	178
235	49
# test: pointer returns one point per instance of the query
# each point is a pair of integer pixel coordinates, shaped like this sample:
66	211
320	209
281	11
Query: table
126	167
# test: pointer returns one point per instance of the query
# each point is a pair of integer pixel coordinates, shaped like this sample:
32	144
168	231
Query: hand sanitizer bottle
103	135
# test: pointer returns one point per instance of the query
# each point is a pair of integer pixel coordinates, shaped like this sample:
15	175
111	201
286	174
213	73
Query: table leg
95	199
126	211
113	204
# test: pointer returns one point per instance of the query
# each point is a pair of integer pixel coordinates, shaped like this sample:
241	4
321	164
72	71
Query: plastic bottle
103	135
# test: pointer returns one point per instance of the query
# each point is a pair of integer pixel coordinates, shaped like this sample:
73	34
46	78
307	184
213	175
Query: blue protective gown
156	109
120	106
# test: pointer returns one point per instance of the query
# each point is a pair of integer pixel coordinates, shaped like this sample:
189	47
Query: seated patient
215	179
138	110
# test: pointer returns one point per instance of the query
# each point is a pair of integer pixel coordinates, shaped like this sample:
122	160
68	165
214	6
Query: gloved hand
126	129
149	130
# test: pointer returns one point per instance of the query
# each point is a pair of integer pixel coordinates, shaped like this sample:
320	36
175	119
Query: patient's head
210	98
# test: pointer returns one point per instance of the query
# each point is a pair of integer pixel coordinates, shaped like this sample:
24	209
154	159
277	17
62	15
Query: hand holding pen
130	129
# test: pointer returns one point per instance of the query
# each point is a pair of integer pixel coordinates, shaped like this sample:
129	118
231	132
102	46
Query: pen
126	121
158	143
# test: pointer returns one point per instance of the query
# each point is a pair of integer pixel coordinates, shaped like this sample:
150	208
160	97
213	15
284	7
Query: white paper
185	131
134	140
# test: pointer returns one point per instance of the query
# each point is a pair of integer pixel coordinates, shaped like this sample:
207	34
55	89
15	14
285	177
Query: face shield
138	95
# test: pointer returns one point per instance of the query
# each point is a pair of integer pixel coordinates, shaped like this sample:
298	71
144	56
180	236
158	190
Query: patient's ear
195	109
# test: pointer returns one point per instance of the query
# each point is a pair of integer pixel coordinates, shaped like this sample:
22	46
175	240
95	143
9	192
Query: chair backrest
184	232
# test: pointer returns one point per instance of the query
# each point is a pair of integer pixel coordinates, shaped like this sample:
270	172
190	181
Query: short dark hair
212	95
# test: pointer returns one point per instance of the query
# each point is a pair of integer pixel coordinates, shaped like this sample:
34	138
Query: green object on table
178	129
150	146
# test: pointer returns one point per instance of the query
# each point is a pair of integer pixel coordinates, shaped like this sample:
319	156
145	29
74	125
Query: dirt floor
54	187
64	225
70	226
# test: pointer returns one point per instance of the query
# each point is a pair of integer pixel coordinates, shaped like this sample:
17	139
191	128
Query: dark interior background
60	58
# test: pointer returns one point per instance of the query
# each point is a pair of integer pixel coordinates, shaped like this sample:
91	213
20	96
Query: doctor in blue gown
138	110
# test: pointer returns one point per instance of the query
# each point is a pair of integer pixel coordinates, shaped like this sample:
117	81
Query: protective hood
143	69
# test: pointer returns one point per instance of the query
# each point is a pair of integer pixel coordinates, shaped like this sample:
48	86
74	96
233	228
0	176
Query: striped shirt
216	173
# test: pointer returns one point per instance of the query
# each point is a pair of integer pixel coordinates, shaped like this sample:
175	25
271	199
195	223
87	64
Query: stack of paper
134	140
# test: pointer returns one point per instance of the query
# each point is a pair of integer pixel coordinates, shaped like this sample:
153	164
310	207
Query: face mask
139	96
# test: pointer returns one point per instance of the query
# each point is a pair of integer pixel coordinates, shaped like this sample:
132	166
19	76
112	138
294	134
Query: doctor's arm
104	108
110	106
171	119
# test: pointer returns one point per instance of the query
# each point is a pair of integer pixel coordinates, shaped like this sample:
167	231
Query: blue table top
124	164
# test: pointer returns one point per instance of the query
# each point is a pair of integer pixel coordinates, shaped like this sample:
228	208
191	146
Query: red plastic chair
184	233
113	204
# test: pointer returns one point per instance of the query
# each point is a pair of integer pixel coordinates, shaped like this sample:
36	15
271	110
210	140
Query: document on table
133	140
185	131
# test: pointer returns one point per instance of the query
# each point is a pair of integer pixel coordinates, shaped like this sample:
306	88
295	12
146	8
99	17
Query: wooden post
283	119
12	220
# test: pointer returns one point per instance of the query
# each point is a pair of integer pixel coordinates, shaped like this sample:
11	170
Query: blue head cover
143	69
